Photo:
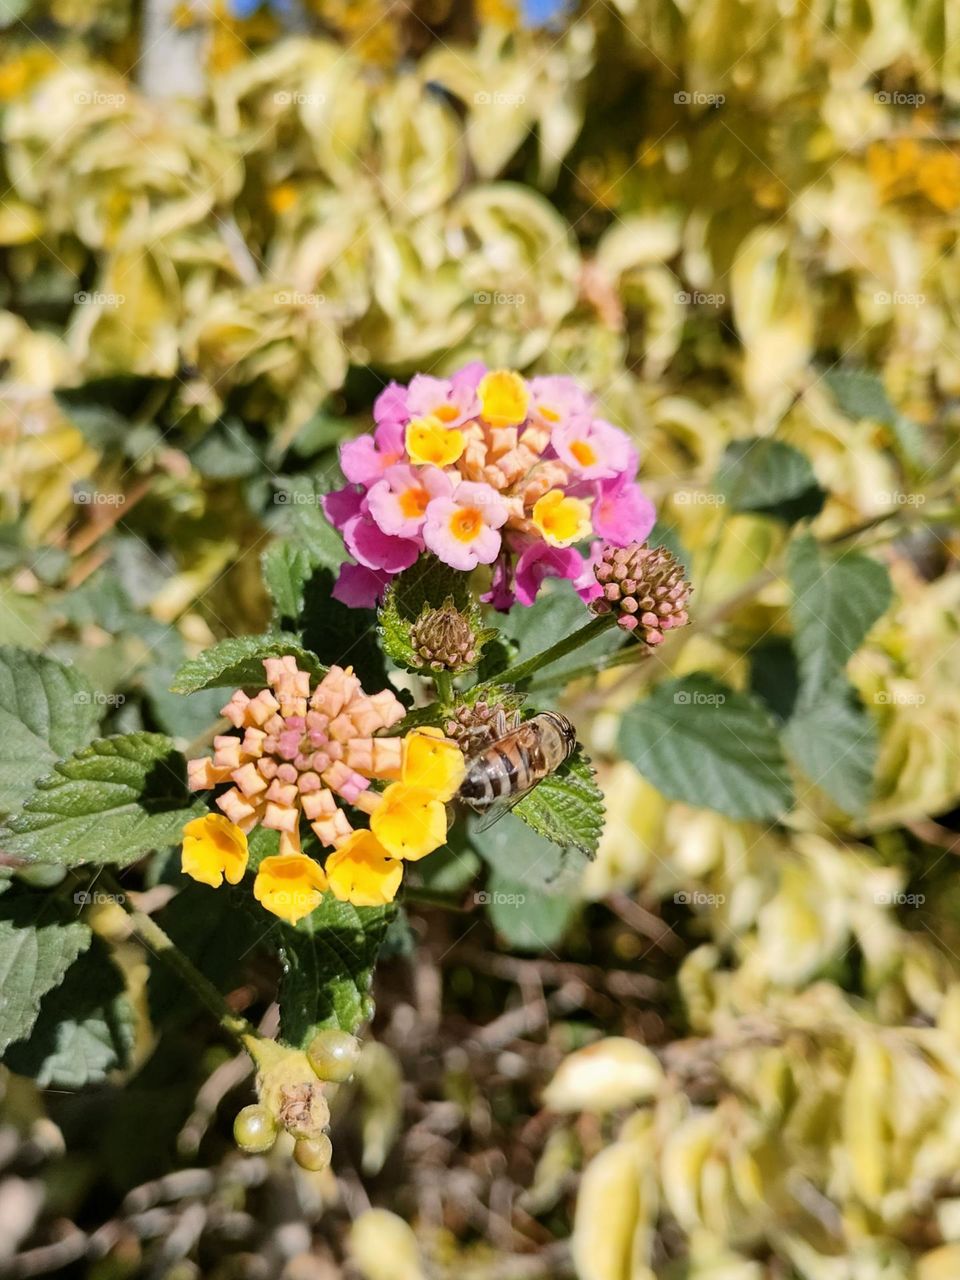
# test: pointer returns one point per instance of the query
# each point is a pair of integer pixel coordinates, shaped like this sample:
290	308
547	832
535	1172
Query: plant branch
513	675
155	939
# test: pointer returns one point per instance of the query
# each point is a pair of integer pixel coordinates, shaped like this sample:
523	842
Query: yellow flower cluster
408	821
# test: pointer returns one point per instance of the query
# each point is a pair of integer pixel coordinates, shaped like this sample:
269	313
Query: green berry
254	1129
333	1055
313	1154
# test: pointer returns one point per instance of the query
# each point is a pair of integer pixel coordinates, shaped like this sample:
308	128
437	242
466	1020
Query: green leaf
328	961
237	663
836	600
768	477
37	948
301	508
833	739
429	584
861	394
113	801
339	634
703	743
47	710
286	568
85	1030
567	807
227	452
527	920
516	852
219	930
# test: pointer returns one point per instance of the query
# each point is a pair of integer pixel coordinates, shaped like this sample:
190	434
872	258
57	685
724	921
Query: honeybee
507	769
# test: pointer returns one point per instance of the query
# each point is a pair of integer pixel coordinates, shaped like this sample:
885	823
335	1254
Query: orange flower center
584	453
413	503
445	412
466	524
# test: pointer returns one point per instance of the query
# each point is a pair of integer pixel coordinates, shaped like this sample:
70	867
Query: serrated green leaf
237	663
113	801
85	1030
836	600
47	710
286	568
703	743
301	508
768	477
37	947
567	807
833	739
526	919
328	961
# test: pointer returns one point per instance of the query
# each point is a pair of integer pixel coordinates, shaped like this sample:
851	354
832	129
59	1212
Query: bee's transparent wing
498	809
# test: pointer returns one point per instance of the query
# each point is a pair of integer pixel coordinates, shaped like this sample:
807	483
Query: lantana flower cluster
485	468
300	750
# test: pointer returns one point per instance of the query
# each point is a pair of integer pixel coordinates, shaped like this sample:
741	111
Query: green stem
627	657
443	683
594	628
161	944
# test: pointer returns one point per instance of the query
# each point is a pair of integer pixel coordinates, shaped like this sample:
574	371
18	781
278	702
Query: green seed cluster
297	1106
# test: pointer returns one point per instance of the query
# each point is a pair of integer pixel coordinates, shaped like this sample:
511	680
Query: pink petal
390	405
539	561
367	543
342	505
359	587
623	514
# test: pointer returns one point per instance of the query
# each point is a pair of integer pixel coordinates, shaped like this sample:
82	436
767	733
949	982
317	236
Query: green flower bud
444	639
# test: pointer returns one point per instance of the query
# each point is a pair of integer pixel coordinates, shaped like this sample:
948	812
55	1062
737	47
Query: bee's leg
514	720
500	724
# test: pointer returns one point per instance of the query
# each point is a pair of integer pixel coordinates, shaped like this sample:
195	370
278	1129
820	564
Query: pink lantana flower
398	502
621	512
359	587
364	460
591	448
538	561
555	400
464	529
450	402
485	467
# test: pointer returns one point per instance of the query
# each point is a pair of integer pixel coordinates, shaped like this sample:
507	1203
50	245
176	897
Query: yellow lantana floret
409	822
362	872
430	442
561	520
503	398
432	761
290	885
213	849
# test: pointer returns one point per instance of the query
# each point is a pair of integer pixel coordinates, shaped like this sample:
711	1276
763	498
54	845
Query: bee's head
567	731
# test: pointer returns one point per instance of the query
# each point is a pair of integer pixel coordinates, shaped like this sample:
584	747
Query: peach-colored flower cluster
299	750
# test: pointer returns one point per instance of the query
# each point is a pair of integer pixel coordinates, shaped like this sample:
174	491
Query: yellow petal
213	848
429	441
503	398
290	885
561	520
432	761
409	822
362	872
